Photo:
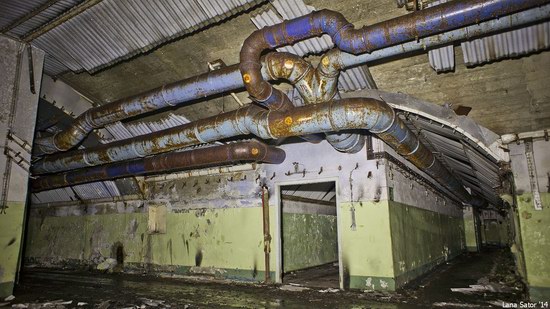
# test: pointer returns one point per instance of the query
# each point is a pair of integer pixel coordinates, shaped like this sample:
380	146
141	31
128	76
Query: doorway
309	235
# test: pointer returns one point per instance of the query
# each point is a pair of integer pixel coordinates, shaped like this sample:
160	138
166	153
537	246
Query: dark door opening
309	235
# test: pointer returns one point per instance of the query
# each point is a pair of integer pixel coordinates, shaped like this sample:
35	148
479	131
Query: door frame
278	225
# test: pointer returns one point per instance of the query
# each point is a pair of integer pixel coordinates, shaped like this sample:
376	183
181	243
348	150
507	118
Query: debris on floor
9	298
154	303
55	304
122	290
475	288
108	264
456	305
329	290
293	288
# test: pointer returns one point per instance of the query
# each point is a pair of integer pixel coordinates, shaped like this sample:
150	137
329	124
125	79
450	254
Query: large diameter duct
251	151
347	114
437	19
200	86
230	79
315	85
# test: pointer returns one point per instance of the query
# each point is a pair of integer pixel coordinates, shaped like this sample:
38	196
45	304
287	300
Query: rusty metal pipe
200	86
230	79
437	19
347	114
267	234
250	151
315	85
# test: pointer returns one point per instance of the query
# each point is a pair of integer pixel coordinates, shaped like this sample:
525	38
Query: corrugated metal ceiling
505	45
466	161
111	31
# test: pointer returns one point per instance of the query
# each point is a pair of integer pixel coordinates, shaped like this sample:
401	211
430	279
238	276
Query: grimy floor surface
491	274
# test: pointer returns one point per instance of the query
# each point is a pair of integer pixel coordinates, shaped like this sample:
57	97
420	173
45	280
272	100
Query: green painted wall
470	232
10	241
535	239
308	240
366	245
222	242
495	232
422	239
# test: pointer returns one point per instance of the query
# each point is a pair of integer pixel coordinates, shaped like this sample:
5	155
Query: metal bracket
18	150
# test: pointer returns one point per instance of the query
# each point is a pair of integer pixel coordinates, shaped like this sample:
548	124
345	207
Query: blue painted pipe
230	79
437	19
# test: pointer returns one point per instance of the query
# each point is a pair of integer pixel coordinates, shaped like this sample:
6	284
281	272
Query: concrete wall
534	225
422	239
427	228
18	115
214	223
495	229
213	227
217	221
310	235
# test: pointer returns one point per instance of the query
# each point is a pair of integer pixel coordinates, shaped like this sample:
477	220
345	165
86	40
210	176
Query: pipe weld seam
271	89
53	142
134	148
415	148
87	160
332	125
391	123
302	76
433	161
268	127
197	134
162	90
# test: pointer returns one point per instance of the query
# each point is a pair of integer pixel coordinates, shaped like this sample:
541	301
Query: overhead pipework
412	28
347	114
233	153
437	19
315	85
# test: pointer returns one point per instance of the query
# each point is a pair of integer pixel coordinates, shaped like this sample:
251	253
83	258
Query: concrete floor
324	276
491	269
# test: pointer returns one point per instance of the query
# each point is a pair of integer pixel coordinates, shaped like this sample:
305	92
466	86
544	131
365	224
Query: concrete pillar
531	169
18	108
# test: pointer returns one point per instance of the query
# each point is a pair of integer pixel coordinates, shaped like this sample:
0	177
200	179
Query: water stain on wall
11	242
198	258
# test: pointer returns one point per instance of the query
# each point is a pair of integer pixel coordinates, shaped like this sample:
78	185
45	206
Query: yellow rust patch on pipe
325	61
255	151
246	78
288	120
289	64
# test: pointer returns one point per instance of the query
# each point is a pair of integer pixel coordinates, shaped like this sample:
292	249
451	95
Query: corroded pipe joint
256	151
286	66
346	142
330	64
